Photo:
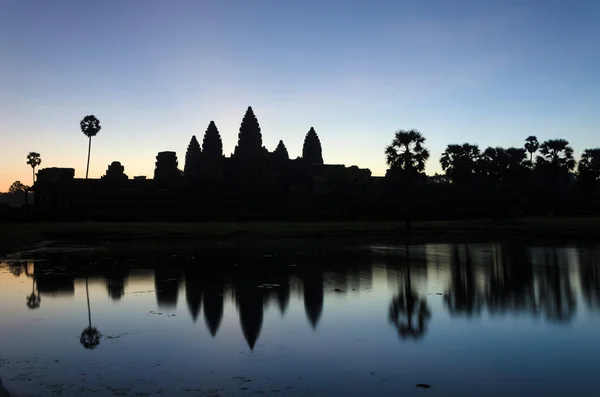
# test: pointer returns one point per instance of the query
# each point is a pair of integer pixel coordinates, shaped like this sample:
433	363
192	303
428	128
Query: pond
485	319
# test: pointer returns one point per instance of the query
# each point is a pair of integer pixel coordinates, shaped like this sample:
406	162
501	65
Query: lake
485	319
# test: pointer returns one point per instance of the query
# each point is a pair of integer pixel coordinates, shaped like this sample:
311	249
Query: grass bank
19	236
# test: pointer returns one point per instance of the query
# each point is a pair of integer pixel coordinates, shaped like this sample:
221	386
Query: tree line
550	162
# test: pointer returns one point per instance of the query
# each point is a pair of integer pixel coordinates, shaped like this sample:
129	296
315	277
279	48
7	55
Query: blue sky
156	72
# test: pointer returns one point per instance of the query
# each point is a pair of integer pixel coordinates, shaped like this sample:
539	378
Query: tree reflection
556	297
589	274
34	300
408	312
90	336
511	281
462	296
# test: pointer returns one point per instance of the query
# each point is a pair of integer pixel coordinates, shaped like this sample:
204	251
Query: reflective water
467	320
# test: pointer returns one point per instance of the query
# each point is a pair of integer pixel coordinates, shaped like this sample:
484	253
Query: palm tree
555	160
557	152
407	152
33	159
460	162
531	145
589	166
90	126
406	157
90	336
504	166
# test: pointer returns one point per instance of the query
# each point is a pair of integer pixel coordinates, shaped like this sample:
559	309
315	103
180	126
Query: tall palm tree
90	126
90	336
33	159
531	145
557	152
407	151
556	160
406	156
589	166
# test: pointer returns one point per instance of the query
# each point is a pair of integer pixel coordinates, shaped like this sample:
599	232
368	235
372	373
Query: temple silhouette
251	182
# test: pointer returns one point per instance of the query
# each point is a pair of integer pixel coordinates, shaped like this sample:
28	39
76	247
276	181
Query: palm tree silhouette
531	145
90	126
460	161
407	151
33	159
90	336
406	157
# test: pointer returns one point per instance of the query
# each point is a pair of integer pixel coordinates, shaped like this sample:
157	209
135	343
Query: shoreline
153	235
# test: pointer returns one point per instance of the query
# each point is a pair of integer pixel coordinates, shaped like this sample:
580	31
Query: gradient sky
156	72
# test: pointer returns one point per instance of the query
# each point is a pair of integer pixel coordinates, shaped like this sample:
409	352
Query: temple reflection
313	285
467	280
166	284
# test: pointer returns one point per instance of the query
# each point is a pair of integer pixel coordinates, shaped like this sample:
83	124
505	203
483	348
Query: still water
467	320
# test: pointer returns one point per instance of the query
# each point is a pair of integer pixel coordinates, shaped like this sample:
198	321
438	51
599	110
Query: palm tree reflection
463	296
34	300
90	336
408	312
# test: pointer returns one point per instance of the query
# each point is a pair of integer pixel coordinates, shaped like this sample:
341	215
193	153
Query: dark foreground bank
20	236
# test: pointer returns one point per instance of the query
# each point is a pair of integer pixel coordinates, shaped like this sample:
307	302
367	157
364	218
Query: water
467	320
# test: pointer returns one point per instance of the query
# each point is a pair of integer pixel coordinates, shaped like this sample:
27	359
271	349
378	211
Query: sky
157	72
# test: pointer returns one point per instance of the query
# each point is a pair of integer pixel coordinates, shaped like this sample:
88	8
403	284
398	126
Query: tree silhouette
115	172
503	166
33	159
212	146
555	162
90	336
193	159
90	126
280	154
557	153
406	157
17	187
407	152
589	167
460	162
531	145
249	145
311	150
